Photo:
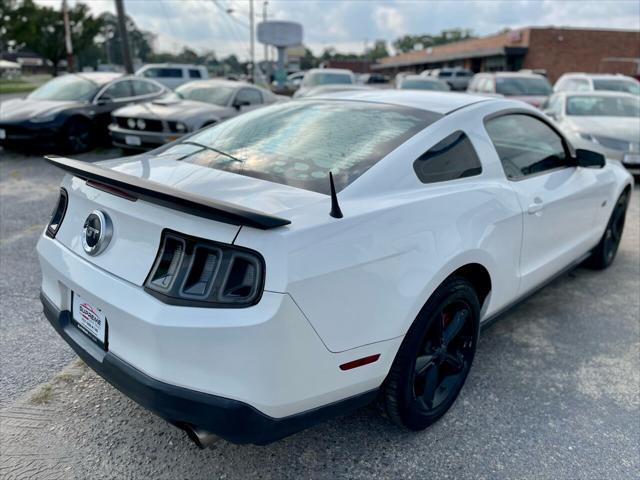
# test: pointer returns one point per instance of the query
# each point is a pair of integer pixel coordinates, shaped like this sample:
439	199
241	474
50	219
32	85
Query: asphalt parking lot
554	391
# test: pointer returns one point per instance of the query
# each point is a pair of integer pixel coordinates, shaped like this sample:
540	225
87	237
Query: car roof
596	93
171	65
223	82
597	75
423	78
99	77
513	74
438	102
330	70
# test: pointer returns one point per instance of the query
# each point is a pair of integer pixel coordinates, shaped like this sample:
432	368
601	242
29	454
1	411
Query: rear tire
435	357
78	136
606	250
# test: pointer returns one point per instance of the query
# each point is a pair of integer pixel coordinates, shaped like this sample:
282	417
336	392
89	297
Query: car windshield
66	87
522	86
329	78
617	85
217	95
299	143
423	85
601	106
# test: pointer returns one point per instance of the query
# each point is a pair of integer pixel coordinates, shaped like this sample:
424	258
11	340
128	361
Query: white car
589	82
305	259
607	122
324	76
172	75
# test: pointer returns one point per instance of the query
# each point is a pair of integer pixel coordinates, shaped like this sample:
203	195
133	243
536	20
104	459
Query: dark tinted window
525	145
193	73
299	143
249	96
451	158
163	73
617	85
121	89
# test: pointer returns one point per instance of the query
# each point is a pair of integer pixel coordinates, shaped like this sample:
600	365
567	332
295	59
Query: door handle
536	206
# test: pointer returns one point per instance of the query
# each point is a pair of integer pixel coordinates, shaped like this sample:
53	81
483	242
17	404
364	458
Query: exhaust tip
202	438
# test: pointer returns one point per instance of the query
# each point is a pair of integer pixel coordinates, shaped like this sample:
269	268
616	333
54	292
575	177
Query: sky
349	25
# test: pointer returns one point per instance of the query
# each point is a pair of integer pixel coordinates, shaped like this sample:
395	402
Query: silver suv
456	78
587	82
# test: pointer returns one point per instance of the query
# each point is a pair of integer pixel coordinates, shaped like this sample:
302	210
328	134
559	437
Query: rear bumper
230	419
148	140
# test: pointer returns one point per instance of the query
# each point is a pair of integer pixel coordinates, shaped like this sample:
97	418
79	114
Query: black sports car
70	113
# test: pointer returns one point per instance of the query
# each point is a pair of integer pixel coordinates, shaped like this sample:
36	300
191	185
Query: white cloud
347	24
390	21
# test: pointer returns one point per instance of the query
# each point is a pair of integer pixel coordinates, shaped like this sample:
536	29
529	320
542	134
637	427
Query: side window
450	159
249	96
151	73
163	73
194	73
526	145
140	88
121	89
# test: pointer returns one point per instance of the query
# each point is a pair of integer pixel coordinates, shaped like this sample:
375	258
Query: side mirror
589	158
239	104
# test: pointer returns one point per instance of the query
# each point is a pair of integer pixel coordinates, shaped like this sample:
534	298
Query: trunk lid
138	225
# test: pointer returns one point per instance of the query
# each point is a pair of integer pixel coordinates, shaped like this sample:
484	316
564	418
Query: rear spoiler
173	198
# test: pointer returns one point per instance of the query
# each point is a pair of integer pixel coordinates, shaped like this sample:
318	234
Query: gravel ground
554	391
30	352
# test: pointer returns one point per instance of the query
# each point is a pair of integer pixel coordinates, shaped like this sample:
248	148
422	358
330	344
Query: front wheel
435	357
78	136
604	253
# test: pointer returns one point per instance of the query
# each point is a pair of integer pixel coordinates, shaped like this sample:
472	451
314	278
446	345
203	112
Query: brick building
556	50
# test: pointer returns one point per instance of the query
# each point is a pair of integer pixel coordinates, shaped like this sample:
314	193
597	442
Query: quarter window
193	73
526	146
141	87
450	159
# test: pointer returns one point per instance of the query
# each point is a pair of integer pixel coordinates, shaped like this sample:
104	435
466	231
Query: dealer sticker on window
89	319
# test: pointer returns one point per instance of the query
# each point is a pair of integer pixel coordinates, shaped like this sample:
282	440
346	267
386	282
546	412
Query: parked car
294	80
307	258
172	75
71	113
327	89
324	76
373	79
531	88
456	78
608	122
418	82
193	106
571	82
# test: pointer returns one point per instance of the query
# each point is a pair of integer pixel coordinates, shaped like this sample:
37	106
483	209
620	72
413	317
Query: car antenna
335	208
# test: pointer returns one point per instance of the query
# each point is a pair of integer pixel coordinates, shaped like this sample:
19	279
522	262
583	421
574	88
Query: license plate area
3	134
90	320
132	140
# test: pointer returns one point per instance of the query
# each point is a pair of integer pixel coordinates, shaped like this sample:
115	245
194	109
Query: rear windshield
523	86
299	143
423	85
617	85
217	95
329	78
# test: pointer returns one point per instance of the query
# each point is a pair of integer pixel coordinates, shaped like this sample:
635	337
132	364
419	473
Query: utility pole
124	37
252	42
264	19
67	36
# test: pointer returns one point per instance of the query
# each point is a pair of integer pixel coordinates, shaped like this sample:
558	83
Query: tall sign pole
124	37
252	42
67	36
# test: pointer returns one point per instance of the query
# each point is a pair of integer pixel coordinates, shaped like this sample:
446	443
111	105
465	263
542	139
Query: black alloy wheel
78	136
605	252
445	357
435	357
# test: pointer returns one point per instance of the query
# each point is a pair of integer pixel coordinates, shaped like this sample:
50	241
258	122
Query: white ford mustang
305	259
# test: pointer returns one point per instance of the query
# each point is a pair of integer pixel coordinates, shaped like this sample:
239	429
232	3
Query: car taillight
203	273
58	214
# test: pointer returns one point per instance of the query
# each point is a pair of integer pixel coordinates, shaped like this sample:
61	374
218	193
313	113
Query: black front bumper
232	420
30	136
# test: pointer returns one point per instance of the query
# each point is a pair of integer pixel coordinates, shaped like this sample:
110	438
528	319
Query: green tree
408	43
378	51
